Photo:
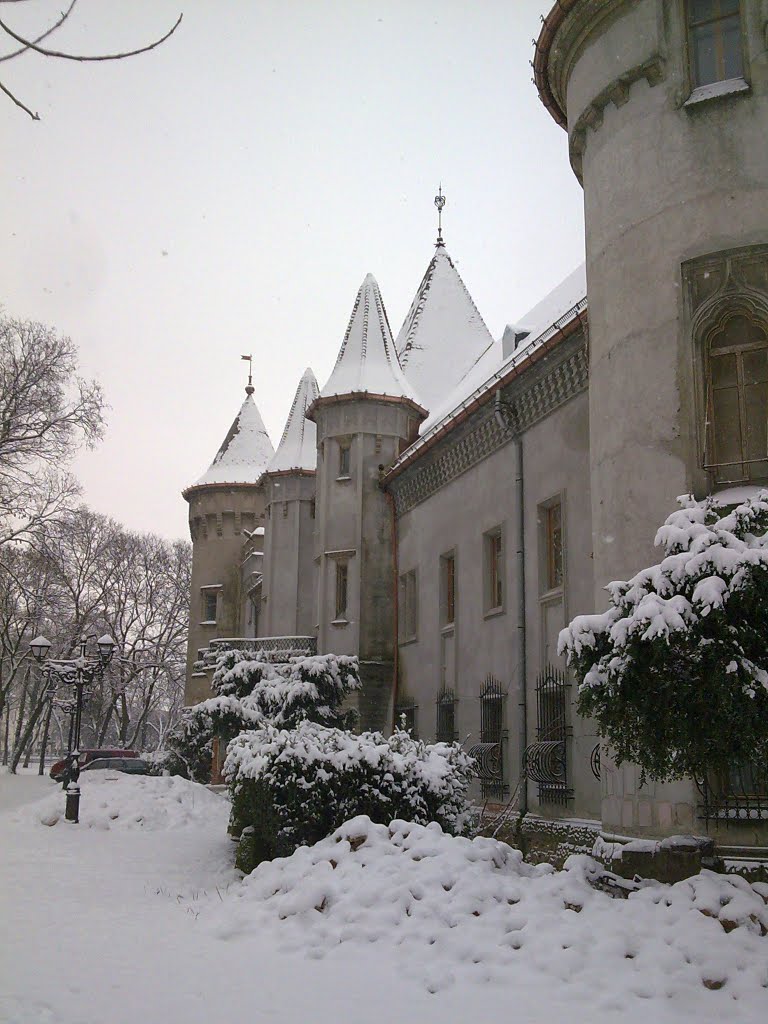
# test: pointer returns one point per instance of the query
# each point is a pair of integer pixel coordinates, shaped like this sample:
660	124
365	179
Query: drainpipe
505	416
395	607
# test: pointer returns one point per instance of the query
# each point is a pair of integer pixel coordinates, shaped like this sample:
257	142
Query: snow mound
458	907
111	800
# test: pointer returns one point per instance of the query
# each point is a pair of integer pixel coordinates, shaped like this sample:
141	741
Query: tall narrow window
554	545
210	604
342	587
737	401
714	34
448	589
408	606
405	715
494	570
446	717
344	459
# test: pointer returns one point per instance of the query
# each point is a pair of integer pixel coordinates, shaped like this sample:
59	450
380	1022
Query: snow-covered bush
251	693
189	748
293	787
676	670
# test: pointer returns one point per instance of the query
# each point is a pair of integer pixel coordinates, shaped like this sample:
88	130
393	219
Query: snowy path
111	924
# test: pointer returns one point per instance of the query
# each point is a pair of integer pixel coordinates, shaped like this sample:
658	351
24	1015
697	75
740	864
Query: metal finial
249	389
440	203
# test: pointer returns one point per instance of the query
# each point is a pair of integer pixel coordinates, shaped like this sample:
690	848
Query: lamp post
77	672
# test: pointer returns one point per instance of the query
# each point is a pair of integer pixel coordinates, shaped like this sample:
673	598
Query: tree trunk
7	730
26	736
44	742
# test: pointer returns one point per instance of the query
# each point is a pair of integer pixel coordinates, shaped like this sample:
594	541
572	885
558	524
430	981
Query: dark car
86	756
129	765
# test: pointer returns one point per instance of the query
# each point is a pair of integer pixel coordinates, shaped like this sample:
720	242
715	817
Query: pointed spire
298	445
440	203
245	451
443	334
367	360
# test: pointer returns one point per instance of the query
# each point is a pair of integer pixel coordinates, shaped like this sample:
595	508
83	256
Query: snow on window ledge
737	495
342	479
715	89
208	622
340	622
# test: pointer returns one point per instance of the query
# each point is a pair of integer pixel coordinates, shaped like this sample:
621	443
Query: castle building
447	502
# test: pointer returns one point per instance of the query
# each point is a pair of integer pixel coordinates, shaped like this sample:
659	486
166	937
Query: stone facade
447	554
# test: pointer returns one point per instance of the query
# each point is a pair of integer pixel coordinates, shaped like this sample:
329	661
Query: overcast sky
229	191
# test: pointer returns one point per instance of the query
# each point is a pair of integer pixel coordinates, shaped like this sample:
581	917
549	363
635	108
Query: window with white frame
714	41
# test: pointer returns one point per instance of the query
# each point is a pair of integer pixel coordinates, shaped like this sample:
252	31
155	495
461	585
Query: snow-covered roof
367	360
298	445
564	304
565	296
443	335
245	451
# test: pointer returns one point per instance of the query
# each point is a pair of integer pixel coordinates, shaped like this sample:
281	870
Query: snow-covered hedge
251	693
293	787
676	670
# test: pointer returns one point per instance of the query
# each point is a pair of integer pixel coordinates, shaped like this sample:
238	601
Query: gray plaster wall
354	524
289	587
455	518
666	180
218	515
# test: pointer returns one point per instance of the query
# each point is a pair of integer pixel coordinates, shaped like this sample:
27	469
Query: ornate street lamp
77	672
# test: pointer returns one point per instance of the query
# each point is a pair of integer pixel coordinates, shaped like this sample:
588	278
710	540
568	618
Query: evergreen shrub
676	670
293	787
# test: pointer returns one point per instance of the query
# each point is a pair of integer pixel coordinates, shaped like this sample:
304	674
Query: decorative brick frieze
532	397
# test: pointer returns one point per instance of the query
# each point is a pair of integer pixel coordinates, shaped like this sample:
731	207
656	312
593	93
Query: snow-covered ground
136	915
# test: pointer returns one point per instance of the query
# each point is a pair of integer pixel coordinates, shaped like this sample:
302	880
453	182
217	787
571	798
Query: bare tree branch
35	116
31	45
48	32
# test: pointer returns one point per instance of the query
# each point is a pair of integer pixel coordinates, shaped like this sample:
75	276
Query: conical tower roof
367	361
443	334
245	451
298	445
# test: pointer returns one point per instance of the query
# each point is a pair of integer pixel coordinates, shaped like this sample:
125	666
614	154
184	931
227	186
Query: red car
57	769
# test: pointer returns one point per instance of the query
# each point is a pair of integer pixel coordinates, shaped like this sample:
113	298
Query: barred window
737	401
445	731
714	40
405	716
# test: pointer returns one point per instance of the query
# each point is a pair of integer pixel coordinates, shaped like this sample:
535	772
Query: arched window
737	400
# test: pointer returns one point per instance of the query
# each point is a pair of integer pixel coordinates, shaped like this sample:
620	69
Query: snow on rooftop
367	360
541	319
245	451
557	303
298	445
443	335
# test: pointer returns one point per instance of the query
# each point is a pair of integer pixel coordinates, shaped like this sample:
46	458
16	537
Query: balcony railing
267	648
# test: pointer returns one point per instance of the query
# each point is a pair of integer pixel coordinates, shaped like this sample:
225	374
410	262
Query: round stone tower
365	415
666	109
225	506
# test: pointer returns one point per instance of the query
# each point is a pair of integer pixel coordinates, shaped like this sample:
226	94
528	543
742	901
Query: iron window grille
489	752
737	797
445	731
546	760
405	716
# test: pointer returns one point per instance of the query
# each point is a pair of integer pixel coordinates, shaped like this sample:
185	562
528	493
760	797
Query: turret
666	110
226	507
366	413
288	591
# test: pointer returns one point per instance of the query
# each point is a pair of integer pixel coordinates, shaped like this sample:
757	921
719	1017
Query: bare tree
47	413
33	46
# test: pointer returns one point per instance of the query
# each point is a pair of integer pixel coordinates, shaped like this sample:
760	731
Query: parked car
86	756
129	765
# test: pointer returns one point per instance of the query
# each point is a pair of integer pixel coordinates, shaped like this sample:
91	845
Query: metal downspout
505	416
395	609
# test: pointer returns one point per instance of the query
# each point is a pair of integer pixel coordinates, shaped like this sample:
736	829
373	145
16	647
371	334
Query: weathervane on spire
249	389
440	203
